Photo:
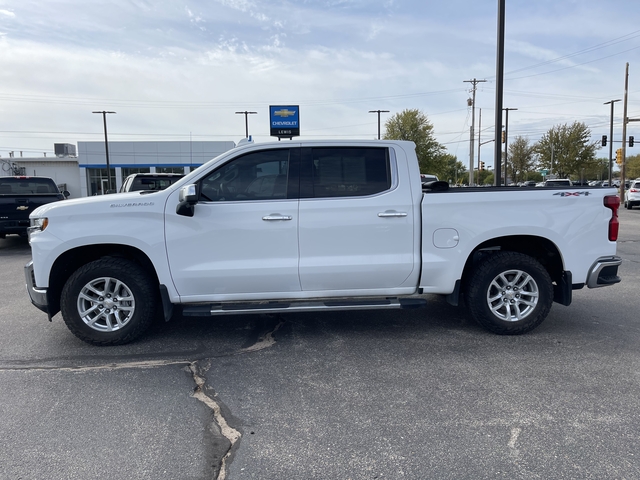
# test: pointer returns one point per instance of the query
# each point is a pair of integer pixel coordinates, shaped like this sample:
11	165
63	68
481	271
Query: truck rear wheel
509	293
110	301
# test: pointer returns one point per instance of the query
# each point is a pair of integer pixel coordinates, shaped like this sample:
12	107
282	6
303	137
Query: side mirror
66	193
187	198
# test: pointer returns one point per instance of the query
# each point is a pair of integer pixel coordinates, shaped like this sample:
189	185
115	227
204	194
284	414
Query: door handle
276	216
392	214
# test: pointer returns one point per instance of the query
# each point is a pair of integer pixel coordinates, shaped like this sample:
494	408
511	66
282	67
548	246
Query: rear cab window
558	183
148	182
28	186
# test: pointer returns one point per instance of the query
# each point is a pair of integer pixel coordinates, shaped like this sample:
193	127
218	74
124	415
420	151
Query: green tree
454	171
567	149
522	159
413	125
598	170
486	178
632	168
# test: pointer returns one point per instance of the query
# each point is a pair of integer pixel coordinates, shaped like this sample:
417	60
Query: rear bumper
38	295
604	272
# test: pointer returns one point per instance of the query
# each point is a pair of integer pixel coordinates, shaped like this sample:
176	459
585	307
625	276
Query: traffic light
619	156
631	140
604	140
481	165
504	137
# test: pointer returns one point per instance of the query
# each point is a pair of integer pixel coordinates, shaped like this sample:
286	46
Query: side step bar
237	308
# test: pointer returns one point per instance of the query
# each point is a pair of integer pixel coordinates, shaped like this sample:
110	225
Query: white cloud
163	72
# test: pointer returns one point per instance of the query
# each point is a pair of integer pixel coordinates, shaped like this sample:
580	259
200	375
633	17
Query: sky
179	70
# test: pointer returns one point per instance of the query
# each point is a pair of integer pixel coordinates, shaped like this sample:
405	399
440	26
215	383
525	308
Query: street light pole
246	121
378	112
499	89
506	143
611	139
106	147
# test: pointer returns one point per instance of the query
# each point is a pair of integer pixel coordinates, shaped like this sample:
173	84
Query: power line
608	43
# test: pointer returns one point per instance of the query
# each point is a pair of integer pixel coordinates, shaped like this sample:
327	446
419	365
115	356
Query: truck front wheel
110	301
509	293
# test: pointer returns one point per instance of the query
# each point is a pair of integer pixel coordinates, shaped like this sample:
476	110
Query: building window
98	182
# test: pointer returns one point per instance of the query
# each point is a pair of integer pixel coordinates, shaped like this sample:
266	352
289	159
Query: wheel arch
71	260
542	249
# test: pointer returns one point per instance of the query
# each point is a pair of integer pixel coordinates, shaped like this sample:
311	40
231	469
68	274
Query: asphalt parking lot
369	395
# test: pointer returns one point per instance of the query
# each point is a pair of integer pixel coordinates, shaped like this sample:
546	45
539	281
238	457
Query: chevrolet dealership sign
284	121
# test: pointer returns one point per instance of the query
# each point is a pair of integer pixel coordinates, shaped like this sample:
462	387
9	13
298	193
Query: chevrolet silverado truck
19	196
317	226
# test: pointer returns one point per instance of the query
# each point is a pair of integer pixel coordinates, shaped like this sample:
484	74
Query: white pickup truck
300	226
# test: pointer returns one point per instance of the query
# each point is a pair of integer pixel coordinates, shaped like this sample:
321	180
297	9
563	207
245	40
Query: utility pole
106	148
624	133
499	89
246	121
479	134
611	139
506	143
378	112
474	82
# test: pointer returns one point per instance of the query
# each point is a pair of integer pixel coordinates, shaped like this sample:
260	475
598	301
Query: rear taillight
613	202
634	190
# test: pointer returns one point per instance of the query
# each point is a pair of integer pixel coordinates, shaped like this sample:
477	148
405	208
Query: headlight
38	224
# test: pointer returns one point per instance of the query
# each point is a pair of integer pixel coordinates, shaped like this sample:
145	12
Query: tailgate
18	207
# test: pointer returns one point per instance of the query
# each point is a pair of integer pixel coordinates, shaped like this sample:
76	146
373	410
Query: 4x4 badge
573	194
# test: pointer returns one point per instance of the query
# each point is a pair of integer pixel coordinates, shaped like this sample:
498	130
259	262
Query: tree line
565	151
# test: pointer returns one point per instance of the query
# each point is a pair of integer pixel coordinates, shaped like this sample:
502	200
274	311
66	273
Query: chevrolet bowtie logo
285	112
22	207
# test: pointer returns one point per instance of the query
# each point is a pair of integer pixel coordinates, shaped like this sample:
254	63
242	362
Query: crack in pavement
230	433
109	366
266	340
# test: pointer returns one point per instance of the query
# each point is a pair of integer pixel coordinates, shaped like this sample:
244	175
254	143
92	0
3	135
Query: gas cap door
446	238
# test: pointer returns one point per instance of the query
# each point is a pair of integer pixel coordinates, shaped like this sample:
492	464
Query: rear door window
347	172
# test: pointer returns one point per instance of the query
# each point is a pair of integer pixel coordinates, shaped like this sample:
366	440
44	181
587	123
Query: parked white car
632	195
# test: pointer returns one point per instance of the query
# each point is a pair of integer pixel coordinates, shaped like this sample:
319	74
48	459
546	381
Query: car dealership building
85	173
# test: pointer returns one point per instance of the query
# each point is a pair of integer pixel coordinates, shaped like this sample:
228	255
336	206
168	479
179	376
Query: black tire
628	205
110	301
509	293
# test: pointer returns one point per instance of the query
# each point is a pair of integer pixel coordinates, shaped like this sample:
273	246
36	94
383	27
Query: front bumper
38	295
18	227
604	272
